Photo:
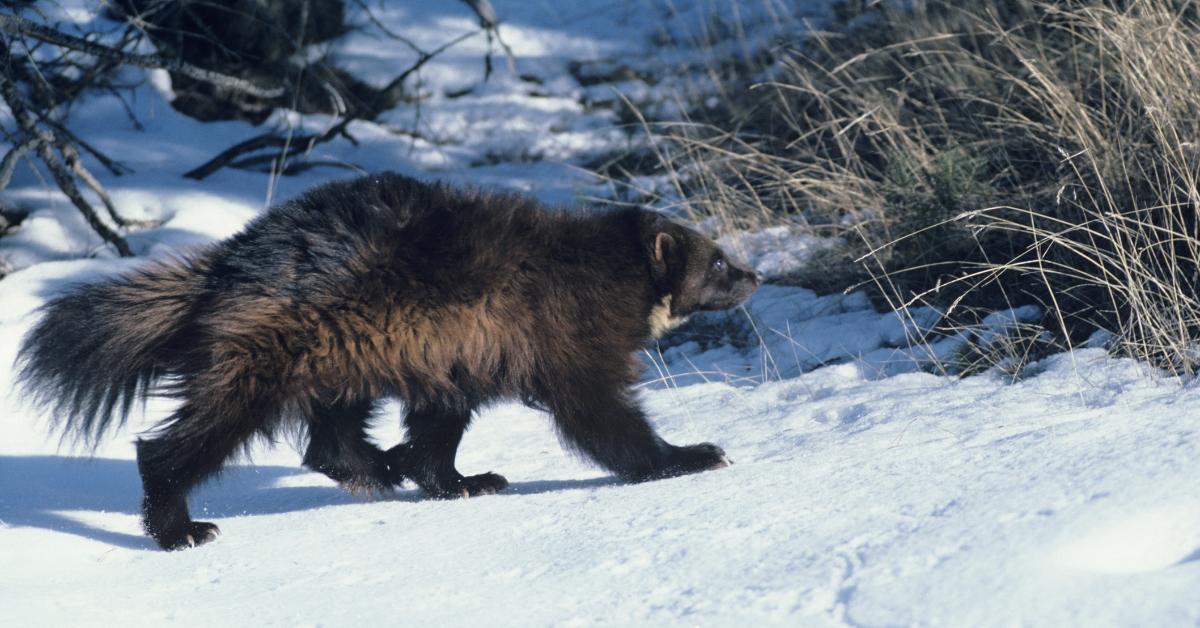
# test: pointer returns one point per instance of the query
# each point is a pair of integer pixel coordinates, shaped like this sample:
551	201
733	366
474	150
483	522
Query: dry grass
976	155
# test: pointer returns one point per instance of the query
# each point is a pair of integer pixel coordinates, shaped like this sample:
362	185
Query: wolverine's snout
744	286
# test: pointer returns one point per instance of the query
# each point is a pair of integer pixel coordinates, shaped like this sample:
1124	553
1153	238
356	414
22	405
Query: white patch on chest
661	320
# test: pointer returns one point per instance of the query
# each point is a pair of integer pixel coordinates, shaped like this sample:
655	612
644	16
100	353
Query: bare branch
110	164
393	92
228	155
490	23
9	162
72	156
386	99
49	94
22	26
385	30
63	179
42	141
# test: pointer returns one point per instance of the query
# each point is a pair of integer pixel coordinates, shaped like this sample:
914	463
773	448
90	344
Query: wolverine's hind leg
339	448
190	446
427	457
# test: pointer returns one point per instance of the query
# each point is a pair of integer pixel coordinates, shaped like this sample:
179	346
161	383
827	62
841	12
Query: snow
852	500
867	489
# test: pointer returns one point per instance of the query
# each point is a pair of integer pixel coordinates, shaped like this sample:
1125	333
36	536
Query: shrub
978	155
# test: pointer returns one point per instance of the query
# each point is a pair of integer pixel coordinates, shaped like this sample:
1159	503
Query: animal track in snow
842	418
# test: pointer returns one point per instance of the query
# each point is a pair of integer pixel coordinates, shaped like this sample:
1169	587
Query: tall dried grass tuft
982	155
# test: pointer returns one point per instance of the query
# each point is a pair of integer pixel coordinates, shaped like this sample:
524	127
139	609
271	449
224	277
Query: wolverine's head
691	273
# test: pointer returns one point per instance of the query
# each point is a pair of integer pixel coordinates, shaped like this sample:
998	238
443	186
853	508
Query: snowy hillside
864	491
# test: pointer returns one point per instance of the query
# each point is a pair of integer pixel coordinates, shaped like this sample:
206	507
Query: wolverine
374	288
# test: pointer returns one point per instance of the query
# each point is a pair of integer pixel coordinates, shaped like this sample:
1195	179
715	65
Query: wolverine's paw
365	488
471	486
191	534
693	459
484	484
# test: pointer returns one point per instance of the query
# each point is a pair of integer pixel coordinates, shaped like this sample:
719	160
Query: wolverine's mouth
732	299
741	291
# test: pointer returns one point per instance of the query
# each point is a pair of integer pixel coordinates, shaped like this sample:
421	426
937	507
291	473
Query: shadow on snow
44	491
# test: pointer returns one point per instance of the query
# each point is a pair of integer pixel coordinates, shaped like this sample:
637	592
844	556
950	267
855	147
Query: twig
295	166
384	100
112	165
63	179
22	26
9	162
385	30
61	176
72	156
490	23
48	94
266	140
508	53
392	93
277	166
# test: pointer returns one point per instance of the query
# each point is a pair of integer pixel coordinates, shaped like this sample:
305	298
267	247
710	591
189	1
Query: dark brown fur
383	287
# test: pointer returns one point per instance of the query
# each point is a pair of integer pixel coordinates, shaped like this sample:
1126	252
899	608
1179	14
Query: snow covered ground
865	491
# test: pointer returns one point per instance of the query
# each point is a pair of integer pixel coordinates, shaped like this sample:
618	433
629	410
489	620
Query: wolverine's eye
719	264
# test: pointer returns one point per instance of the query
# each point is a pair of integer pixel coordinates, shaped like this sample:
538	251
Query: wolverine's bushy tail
100	346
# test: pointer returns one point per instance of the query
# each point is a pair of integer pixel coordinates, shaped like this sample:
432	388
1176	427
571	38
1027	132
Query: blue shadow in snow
38	491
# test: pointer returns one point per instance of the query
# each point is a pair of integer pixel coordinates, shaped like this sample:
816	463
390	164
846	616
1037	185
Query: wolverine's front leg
427	457
602	420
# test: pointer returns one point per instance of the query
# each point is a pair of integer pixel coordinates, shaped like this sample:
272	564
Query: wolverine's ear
664	258
663	246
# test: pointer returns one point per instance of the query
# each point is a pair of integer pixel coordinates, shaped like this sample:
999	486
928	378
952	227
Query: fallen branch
9	162
64	140
225	157
112	165
387	98
43	142
72	156
49	94
21	26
